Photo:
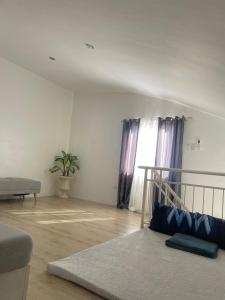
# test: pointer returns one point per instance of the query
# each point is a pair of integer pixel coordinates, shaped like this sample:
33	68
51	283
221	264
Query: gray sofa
15	254
19	186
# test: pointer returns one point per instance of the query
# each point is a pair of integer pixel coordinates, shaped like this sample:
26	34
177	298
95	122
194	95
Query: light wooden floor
60	228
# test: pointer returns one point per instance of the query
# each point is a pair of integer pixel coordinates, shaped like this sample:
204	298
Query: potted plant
66	164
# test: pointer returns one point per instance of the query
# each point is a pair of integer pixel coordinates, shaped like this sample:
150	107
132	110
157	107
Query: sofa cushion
13	186
15	248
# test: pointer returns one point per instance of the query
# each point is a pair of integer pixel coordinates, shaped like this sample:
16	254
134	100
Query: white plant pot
64	186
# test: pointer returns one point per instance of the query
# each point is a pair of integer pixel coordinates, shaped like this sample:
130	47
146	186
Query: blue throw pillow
171	220
209	228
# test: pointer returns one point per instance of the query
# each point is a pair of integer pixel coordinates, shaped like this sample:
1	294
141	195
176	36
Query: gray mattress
13	186
140	267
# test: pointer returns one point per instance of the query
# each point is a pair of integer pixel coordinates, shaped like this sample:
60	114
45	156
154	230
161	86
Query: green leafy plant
66	164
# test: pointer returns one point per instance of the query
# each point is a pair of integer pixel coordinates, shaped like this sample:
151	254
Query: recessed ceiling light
89	46
52	58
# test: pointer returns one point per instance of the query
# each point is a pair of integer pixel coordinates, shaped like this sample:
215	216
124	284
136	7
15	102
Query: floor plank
60	228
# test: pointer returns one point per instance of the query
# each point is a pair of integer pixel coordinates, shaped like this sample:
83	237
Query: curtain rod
157	117
185	118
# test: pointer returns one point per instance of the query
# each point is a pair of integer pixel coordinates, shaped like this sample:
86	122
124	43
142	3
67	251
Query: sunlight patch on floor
25	212
74	221
55	214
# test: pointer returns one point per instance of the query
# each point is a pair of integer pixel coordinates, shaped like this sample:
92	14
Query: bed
139	266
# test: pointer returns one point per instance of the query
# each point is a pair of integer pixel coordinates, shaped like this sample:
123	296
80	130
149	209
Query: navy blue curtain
127	161
169	149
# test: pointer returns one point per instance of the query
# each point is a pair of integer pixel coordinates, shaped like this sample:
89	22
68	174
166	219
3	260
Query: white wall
34	124
96	137
35	121
211	157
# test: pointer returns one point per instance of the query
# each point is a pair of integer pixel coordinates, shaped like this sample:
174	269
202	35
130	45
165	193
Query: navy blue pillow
171	220
209	228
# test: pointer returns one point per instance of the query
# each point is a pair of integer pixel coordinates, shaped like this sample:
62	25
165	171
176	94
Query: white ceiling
174	49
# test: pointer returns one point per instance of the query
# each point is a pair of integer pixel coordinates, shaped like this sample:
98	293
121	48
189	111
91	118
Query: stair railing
169	196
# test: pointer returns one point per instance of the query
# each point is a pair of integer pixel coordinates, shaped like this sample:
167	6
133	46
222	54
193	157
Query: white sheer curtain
146	150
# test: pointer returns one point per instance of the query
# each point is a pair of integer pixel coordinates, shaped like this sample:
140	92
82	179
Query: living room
71	74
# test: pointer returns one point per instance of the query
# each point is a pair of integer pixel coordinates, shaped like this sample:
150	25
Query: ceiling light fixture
52	58
89	46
